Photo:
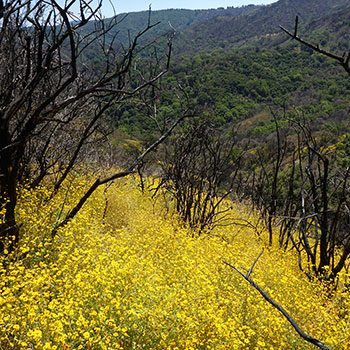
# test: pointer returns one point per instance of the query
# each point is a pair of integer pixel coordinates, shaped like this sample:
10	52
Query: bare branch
252	267
133	167
342	60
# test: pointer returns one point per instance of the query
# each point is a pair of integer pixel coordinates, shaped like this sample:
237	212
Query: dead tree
265	189
52	99
302	192
314	212
321	201
198	172
270	172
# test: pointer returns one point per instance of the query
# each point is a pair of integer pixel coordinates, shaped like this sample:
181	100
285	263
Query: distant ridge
130	24
226	30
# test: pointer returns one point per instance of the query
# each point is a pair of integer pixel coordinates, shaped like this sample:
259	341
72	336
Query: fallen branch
306	337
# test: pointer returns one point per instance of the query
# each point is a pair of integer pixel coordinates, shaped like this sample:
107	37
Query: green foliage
233	62
231	86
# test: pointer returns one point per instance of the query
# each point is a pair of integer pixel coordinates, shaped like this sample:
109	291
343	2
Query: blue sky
141	5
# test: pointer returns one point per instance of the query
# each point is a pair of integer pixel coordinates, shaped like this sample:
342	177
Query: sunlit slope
130	278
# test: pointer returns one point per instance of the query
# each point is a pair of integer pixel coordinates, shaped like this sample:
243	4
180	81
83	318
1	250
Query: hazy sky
141	5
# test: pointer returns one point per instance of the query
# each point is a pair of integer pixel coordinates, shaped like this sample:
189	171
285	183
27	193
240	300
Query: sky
142	5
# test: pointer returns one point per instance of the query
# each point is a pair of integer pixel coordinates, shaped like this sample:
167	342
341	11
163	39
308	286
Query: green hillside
130	24
259	25
233	66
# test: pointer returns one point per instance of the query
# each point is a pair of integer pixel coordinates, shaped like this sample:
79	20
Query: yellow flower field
131	277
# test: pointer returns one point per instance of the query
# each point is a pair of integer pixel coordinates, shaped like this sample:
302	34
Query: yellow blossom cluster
127	276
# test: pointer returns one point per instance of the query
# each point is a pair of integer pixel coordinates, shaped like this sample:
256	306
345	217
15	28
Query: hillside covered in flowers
124	274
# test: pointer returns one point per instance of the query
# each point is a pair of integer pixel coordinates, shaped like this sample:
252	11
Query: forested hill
234	65
332	30
130	24
259	26
324	21
232	24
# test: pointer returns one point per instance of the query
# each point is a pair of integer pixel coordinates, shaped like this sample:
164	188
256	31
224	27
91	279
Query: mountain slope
130	24
332	30
261	22
234	63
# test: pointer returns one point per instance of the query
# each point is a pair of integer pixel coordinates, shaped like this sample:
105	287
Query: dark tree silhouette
53	99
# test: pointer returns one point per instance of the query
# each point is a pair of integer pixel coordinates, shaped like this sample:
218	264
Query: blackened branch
286	315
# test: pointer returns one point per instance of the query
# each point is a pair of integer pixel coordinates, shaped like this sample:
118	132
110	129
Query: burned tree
198	172
321	206
303	195
53	100
319	194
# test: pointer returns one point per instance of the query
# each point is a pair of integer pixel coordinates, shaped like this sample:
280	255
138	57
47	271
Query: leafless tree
266	189
198	171
53	100
313	213
321	203
301	190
